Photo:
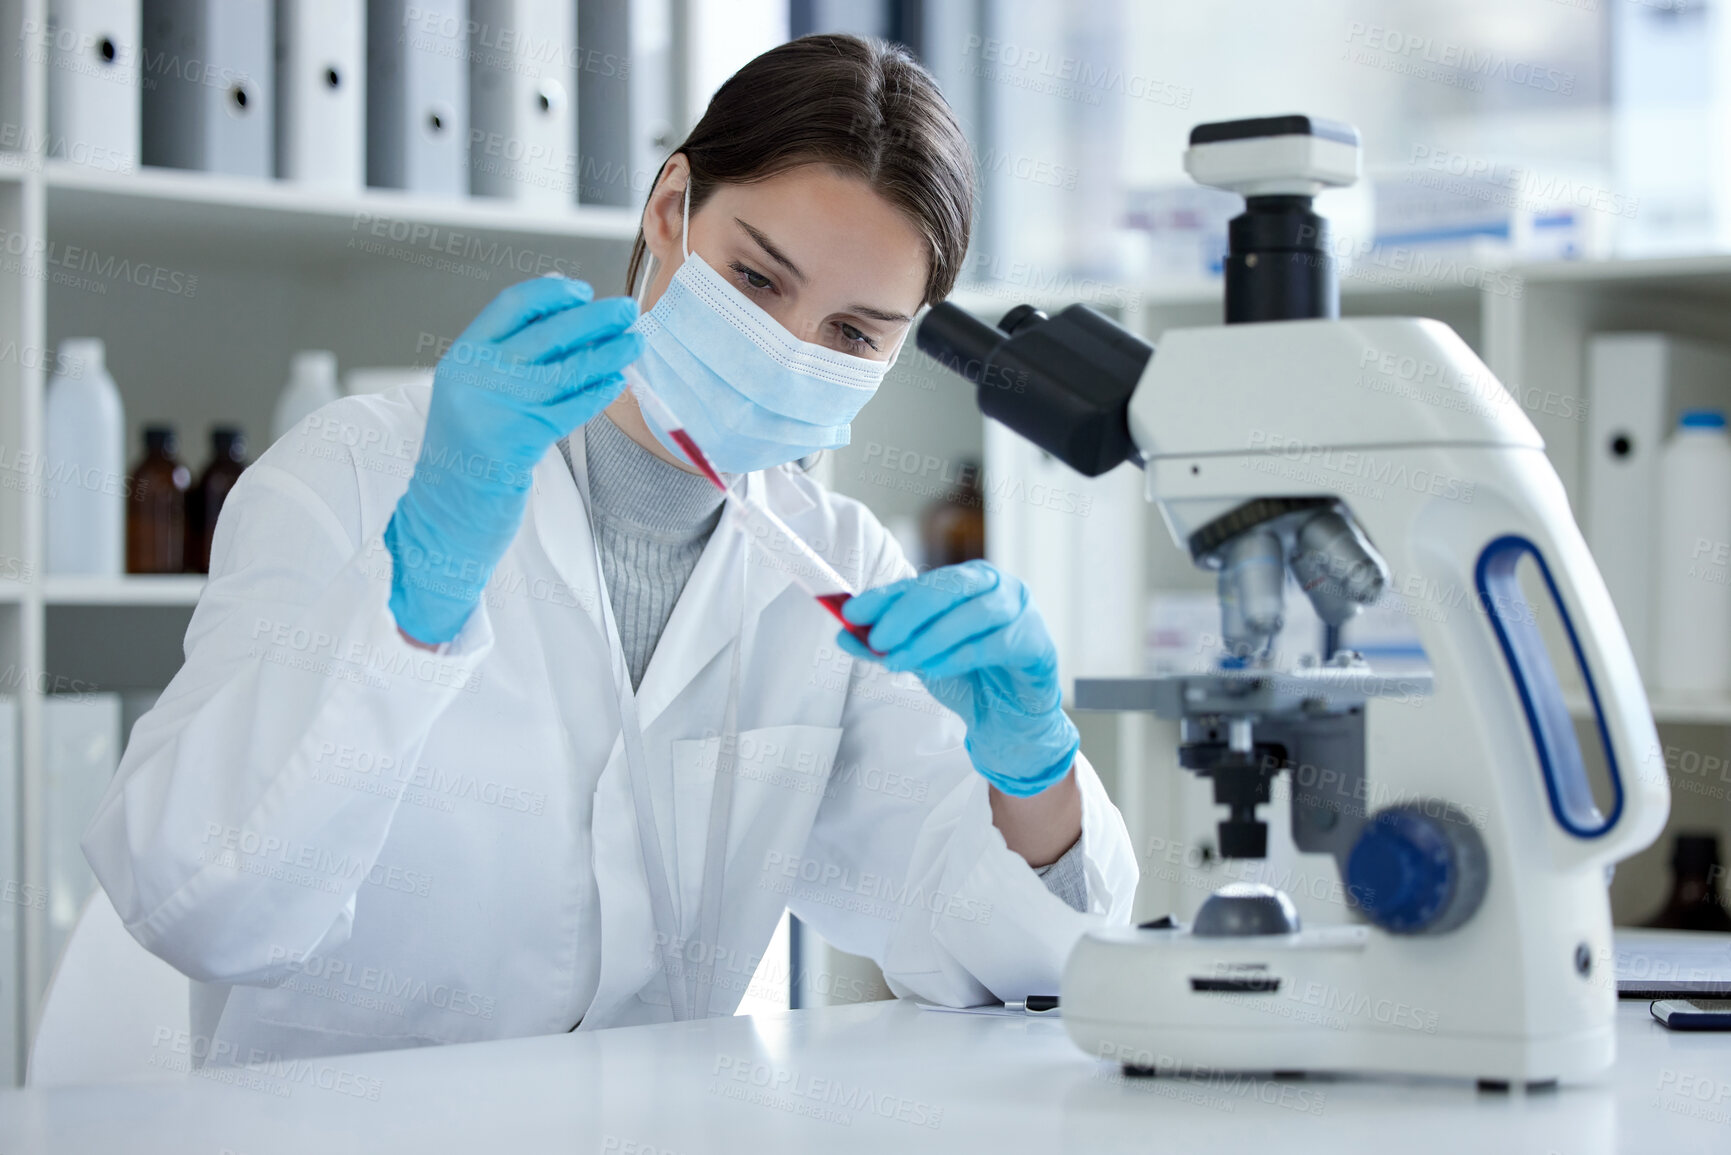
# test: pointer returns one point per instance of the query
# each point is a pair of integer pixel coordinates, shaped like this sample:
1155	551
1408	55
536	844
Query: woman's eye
856	338
752	278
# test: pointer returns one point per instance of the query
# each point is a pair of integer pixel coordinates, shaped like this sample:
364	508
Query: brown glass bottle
1696	873
953	526
204	500
156	507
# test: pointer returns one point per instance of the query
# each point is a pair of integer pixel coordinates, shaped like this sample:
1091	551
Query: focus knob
1420	868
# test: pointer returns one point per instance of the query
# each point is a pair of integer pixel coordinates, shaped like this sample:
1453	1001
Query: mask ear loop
648	275
684	249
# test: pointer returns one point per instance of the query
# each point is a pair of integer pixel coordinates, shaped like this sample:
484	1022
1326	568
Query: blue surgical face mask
751	394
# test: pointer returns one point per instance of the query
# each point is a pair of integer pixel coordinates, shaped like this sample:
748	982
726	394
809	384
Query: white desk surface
878	1077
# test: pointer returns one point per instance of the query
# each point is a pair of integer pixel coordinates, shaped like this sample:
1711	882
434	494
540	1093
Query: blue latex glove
538	362
973	637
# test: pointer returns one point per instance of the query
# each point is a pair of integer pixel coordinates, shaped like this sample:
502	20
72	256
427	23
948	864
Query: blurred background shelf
1366	283
204	286
132	590
1709	270
209	209
1677	709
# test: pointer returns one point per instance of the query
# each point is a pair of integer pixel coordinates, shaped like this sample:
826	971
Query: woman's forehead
833	227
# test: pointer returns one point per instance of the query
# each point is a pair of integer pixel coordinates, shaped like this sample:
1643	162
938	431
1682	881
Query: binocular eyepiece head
1062	382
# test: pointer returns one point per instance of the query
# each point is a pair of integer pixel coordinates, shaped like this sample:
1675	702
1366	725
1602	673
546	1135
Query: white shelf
132	590
1362	282
1685	709
1705	266
210	218
283	201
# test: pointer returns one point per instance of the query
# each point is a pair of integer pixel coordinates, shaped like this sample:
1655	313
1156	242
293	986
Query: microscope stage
1325	689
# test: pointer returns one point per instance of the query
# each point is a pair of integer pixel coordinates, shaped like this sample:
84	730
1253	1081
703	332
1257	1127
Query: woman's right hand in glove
538	362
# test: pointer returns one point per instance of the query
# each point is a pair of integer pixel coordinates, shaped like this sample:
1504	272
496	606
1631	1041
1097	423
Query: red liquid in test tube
695	455
833	603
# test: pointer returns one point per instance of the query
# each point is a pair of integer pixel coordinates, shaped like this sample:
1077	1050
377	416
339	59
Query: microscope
1471	843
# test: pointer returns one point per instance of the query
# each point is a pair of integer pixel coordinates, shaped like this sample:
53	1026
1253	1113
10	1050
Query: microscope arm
1224	416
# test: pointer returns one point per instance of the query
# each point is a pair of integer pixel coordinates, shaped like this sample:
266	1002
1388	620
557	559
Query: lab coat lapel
561	525
705	620
628	955
707	617
560	519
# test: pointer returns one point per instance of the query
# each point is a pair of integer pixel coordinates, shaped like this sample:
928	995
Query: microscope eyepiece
958	340
1020	316
1062	382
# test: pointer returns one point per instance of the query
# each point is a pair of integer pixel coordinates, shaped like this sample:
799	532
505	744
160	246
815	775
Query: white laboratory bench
877	1077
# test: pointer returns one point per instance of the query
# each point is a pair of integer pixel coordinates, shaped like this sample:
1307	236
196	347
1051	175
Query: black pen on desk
1035	1005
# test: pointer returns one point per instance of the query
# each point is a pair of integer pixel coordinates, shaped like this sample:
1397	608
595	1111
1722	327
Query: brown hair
865	107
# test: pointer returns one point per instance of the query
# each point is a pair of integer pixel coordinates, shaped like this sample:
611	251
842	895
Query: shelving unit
203	287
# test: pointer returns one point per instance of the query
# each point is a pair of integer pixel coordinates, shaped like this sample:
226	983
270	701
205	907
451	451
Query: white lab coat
353	844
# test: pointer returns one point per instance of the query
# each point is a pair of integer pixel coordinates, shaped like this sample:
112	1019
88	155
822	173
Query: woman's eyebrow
768	247
782	259
878	314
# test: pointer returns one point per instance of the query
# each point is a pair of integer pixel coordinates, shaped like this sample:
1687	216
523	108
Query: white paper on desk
990	1009
1676	962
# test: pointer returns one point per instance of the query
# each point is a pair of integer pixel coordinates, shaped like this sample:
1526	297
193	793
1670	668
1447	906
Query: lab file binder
320	86
207	85
624	98
522	87
418	96
1638	384
81	747
93	82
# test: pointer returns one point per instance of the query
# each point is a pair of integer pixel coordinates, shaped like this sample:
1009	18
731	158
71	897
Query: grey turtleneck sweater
652	521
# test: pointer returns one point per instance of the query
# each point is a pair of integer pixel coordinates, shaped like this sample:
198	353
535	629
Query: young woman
536	738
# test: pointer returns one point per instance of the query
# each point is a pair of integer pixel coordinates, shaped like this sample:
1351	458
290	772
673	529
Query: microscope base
1164	1002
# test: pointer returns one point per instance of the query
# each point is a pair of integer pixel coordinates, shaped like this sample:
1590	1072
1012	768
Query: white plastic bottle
312	383
84	471
1692	572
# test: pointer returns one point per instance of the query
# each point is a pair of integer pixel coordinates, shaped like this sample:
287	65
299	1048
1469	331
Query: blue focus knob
1418	869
